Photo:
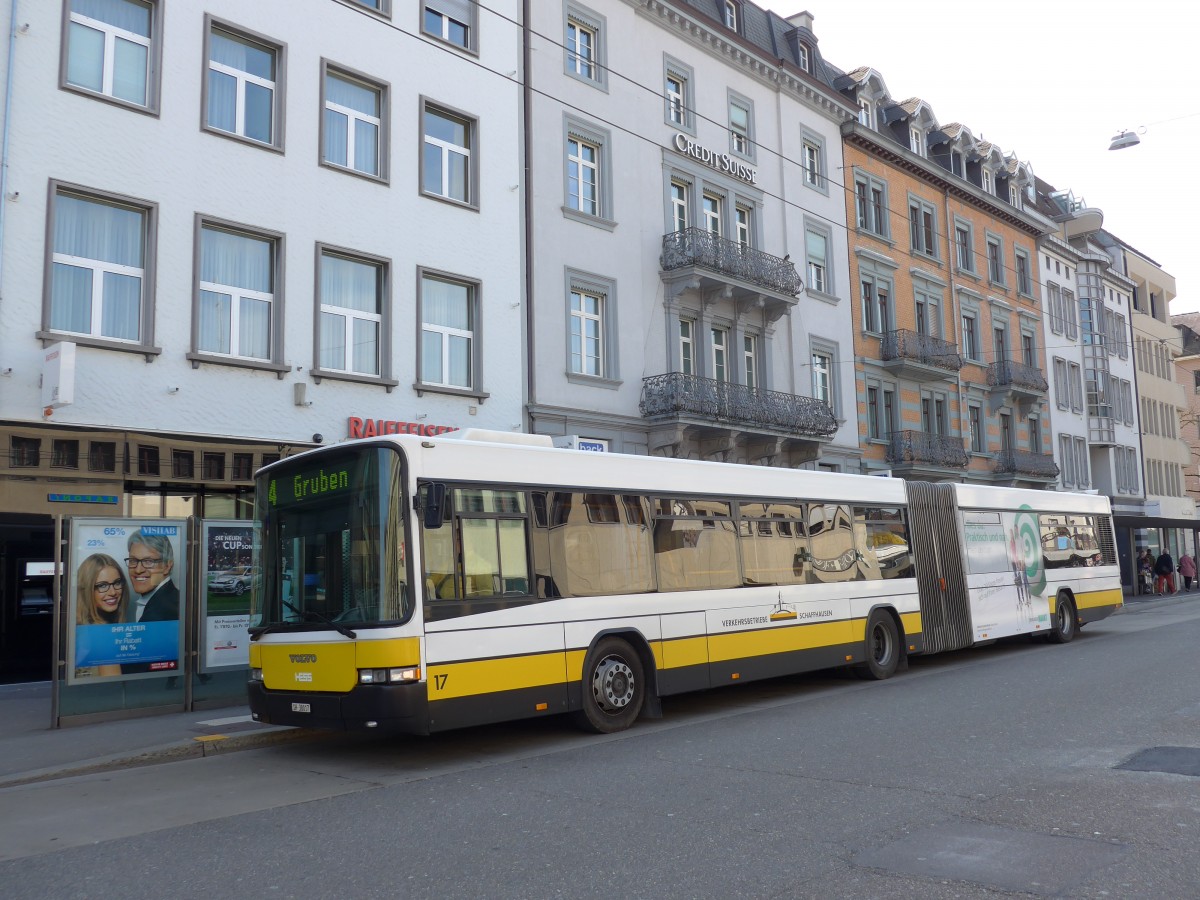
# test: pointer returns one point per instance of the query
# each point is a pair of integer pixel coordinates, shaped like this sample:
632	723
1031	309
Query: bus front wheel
1065	624
614	687
883	647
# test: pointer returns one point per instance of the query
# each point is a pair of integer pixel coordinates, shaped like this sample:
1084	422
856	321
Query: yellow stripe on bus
744	644
488	676
1095	599
389	654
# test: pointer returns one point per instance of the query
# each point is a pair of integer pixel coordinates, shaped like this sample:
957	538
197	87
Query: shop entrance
26	597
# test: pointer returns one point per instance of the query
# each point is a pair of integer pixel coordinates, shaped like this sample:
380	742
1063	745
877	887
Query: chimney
801	20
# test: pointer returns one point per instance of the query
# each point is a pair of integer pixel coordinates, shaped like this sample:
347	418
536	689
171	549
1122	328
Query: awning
1190	523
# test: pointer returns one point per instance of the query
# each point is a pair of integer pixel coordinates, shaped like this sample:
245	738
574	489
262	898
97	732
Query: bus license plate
302	707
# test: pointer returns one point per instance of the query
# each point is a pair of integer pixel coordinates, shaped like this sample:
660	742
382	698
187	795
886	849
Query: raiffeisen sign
722	162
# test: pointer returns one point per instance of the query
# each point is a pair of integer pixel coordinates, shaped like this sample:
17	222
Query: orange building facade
950	365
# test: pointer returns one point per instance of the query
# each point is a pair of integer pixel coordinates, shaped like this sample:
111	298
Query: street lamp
1124	139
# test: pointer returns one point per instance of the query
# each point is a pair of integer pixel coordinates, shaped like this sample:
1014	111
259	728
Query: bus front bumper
397	708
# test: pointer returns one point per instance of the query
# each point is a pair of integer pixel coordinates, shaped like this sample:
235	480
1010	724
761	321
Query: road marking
232	720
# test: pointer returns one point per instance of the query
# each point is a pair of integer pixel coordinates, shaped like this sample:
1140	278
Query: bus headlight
256	675
389	676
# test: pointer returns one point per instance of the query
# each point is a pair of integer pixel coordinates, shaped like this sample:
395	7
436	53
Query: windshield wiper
306	615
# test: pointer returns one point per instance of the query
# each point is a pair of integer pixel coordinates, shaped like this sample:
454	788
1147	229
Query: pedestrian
1145	569
1164	571
1187	568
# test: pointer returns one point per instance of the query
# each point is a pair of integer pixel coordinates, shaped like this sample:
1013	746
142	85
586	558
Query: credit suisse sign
722	162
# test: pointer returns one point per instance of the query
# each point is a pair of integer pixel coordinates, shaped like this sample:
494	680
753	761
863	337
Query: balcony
716	419
1026	465
917	450
699	260
919	357
1018	383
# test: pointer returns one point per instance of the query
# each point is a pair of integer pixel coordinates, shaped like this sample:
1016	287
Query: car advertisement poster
231	575
126	588
1006	574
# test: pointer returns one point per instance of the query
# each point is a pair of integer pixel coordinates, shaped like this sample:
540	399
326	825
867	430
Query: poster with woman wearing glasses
126	578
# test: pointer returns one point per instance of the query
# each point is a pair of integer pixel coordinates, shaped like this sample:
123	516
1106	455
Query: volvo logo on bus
302	657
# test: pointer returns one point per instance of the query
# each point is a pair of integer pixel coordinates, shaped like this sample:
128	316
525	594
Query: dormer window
802	57
731	15
1014	196
956	163
865	116
916	141
987	180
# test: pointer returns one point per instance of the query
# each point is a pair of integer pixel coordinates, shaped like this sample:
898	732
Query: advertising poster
1007	579
126	584
230	577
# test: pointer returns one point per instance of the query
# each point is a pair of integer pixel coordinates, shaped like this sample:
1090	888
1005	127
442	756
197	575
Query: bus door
941	572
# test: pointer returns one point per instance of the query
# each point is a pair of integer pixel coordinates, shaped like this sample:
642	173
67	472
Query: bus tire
883	648
614	687
1065	624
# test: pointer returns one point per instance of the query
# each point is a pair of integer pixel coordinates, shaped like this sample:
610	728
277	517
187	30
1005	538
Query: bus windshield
333	542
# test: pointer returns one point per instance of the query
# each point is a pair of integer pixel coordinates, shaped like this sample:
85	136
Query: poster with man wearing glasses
125	597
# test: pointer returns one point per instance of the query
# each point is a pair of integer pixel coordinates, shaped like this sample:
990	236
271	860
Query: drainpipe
8	94
527	201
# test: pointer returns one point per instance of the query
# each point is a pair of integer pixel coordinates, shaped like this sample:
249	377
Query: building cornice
858	135
734	50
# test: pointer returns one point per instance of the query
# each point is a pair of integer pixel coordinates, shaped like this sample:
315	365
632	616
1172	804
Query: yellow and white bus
418	584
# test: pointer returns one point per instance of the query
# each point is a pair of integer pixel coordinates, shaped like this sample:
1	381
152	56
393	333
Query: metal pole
59	665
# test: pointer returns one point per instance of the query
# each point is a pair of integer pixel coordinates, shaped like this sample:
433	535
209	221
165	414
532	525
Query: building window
244	76
890	411
743	225
448	164
870	200
1028	350
25	452
101	285
1054	298
812	148
1066	460
353	314
1121	336
927	309
719	345
731	15
822	377
877	314
975	418
1062	398
587	333
588	182
449	327
236	306
1006	431
874	413
816	247
1024	276
147	460
750	360
584	42
677	91
451	21
687	347
922	220
1083	475
1075	385
679	205
741	126
354	127
964	252
243	467
1035	434
183	465
995	251
112	50
379	6
711	208
102	456
1070	310
970	337
214	466
986	177
916	141
866	115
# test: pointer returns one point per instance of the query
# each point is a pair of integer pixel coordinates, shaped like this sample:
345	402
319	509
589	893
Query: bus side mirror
434	505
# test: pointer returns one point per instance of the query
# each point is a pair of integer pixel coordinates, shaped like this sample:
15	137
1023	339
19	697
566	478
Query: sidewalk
30	750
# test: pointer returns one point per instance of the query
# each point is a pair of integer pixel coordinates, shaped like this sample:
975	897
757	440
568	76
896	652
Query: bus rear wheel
883	647
614	687
1065	625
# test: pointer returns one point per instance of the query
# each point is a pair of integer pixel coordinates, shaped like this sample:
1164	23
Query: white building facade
688	287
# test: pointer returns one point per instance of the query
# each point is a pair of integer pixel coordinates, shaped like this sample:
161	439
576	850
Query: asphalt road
988	773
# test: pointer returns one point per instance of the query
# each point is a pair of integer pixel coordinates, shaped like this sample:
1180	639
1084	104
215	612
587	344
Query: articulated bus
417	584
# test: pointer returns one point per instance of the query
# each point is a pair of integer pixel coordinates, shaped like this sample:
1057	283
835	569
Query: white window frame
741	141
445	20
916	140
678	107
680	203
731	14
817	267
382	93
743	225
145	273
589	67
586	284
1070	309
824	382
578	133
583	168
380	318
687	346
236	294
750	360
964	254
812	148
712	208
718	358
446	332
1066	459
447	149
871	217
242	79
111	34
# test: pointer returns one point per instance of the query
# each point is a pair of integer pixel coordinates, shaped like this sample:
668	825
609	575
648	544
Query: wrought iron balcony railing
1008	372
697	247
1025	462
942	450
923	348
675	394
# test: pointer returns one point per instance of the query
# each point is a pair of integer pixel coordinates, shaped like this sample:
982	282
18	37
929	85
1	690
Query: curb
195	748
